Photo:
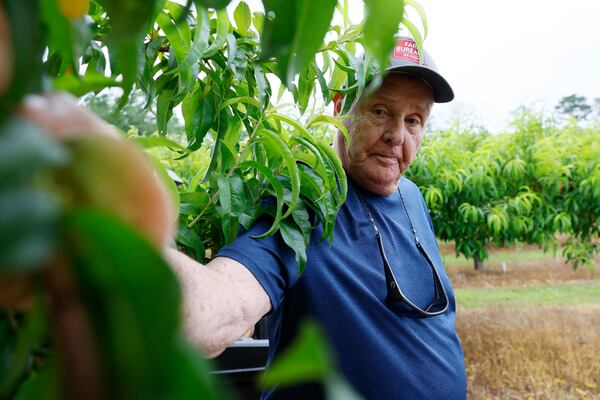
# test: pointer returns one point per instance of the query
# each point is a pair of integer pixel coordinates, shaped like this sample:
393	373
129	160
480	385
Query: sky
499	55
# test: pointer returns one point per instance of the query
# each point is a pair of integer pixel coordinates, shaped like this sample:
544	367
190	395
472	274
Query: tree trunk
478	264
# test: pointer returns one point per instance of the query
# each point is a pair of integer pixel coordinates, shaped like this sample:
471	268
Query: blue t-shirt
382	354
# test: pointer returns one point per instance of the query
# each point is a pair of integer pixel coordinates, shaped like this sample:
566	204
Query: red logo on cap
406	49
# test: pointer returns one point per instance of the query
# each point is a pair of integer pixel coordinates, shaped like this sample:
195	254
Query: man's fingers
61	116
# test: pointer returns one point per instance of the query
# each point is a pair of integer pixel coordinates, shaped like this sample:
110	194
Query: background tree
527	186
134	114
575	106
596	108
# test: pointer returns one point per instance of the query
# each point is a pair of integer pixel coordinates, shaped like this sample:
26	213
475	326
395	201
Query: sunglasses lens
396	300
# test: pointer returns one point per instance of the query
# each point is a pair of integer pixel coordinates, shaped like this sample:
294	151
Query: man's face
386	131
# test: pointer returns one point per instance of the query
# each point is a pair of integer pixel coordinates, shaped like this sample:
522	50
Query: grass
550	352
515	256
557	294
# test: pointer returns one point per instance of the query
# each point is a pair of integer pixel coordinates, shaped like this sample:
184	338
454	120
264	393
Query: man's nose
395	132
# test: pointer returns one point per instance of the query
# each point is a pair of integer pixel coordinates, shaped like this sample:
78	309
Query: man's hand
60	116
106	170
222	300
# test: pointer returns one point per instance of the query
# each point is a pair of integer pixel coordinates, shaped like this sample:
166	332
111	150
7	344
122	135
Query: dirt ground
547	269
548	353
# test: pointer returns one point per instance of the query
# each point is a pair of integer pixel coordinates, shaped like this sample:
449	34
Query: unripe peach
113	174
73	8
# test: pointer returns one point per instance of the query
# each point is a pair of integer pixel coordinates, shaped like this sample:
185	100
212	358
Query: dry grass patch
535	352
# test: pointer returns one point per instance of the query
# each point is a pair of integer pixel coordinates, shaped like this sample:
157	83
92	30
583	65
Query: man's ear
338	102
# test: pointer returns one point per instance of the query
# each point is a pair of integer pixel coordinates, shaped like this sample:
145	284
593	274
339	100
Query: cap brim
442	92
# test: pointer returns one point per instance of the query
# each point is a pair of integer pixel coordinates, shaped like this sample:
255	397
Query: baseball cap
405	59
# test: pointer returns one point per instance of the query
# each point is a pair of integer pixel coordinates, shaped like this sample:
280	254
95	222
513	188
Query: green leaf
338	77
245	100
282	148
312	187
80	85
243	17
232	204
199	114
293	32
421	11
306	84
25	149
336	122
132	300
339	172
161	171
416	35
307	359
231	195
228	157
222	31
189	66
59	34
293	236
328	180
238	59
192	203
381	25
216	4
290	121
29	215
258	19
130	20
27	51
165	103
43	384
149	142
302	219
179	43
322	83
277	187
234	131
21	346
262	85
188	237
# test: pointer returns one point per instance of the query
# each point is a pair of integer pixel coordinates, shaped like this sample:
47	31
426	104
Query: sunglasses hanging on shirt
396	299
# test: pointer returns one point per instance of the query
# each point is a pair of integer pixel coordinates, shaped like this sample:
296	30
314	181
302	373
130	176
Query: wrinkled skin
386	131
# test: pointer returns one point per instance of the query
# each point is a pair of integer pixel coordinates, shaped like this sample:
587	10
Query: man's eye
413	121
379	112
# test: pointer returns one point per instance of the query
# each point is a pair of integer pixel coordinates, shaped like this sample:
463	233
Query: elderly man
380	290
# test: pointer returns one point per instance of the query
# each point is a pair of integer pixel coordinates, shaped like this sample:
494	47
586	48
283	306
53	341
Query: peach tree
89	309
532	185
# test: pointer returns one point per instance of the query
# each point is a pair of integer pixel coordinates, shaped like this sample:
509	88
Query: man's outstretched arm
221	300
